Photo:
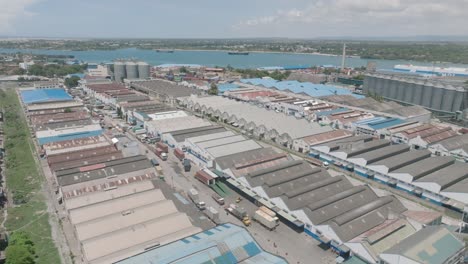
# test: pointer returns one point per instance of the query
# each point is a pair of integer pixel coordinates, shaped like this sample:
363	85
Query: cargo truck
187	165
218	199
240	213
265	218
162	146
212	214
193	194
161	154
179	154
204	177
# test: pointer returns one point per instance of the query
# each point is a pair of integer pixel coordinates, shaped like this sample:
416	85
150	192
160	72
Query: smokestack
344	57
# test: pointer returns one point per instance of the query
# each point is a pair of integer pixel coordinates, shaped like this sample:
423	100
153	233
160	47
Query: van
326	165
218	199
154	162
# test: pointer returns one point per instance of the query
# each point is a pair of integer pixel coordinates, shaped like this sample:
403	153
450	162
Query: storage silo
418	92
143	70
401	85
393	87
119	71
409	91
448	98
427	94
132	70
460	94
437	94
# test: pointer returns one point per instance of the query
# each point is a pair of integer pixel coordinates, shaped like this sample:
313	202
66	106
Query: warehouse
58	117
64	124
205	247
260	122
38	96
53	107
204	149
161	127
420	135
176	139
103	170
456	146
49	136
107	235
65	146
376	126
331	208
439	179
164	91
433	244
304	144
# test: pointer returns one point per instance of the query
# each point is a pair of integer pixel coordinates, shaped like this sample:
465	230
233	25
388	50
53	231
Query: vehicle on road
240	213
266	217
193	194
218	199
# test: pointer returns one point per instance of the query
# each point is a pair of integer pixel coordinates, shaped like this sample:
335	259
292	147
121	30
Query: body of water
219	58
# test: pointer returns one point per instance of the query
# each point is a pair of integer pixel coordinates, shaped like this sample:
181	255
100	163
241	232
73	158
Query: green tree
72	81
20	249
19	71
213	89
67	110
183	69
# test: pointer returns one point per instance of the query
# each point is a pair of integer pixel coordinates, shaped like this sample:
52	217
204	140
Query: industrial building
54	107
431	94
176	139
65	146
441	180
226	243
164	91
131	70
456	146
124	221
433	244
69	133
37	96
98	70
304	144
112	93
254	120
202	150
164	126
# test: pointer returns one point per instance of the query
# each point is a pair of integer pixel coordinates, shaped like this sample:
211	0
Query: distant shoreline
275	52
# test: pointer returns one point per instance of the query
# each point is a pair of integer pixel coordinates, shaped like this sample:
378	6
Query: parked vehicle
193	194
266	217
161	154
154	162
204	177
240	213
179	154
218	199
187	165
162	146
212	214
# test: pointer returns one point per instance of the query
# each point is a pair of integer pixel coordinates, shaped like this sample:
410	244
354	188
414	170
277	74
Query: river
219	58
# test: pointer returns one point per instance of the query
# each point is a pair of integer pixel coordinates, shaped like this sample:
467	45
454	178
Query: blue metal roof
312	89
377	123
44	95
46	140
223	87
203	248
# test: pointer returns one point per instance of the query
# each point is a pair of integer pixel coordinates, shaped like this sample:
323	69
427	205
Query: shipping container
187	165
204	177
179	154
162	146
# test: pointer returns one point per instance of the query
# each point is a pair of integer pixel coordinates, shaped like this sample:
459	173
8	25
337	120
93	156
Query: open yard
27	209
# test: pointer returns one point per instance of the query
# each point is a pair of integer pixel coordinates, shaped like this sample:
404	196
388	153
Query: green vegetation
24	181
21	249
72	81
253	73
213	89
55	70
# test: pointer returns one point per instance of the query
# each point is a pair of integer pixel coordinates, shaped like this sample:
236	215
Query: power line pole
343	59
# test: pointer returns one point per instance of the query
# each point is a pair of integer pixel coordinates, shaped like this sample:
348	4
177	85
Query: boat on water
440	71
164	51
238	53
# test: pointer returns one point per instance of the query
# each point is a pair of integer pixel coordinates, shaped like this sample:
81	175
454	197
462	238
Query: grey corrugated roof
362	147
277	186
383	153
454	143
432	245
403	159
181	135
243	157
448	176
165	88
349	140
424	167
459	187
233	148
361	219
282	170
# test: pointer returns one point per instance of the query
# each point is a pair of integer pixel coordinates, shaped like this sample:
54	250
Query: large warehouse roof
205	247
164	87
447	176
295	128
176	124
181	135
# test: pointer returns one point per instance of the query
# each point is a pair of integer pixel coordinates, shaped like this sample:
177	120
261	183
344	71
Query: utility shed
430	245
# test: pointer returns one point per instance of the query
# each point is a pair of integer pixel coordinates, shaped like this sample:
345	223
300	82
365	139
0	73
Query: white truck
266	217
213	214
193	194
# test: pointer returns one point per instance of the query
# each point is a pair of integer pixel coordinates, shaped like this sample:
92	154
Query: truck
239	213
212	214
161	154
204	177
218	199
266	218
162	146
154	162
187	165
179	154
193	194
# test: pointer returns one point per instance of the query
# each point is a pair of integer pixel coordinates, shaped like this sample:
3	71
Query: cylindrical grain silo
427	94
437	95
132	70
393	87
143	70
448	98
401	87
119	71
418	92
409	91
460	95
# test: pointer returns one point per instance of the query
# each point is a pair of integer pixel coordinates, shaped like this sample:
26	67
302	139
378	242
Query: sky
232	18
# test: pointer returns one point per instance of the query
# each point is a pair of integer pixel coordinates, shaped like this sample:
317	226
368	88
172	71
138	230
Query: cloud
363	18
11	11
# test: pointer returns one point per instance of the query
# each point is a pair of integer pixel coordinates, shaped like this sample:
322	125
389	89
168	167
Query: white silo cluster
131	70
